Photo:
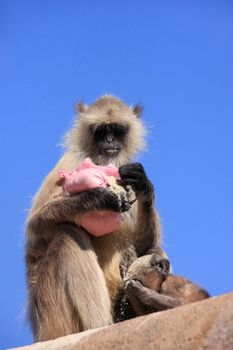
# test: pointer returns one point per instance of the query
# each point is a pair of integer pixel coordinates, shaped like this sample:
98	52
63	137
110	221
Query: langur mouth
112	150
109	150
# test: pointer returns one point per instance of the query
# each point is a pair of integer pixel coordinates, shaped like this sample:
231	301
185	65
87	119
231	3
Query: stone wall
203	325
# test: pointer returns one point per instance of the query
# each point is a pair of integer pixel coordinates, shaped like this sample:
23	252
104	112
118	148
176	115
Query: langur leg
70	292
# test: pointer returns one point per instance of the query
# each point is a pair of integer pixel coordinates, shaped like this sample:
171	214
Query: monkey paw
105	199
134	175
132	285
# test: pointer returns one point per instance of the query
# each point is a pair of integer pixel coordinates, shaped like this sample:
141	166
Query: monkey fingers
134	175
97	199
132	287
106	199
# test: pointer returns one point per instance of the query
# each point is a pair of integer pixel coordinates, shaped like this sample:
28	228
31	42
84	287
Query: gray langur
150	287
74	278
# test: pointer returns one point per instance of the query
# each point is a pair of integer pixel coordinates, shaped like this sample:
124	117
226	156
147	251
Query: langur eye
154	261
121	130
118	129
159	265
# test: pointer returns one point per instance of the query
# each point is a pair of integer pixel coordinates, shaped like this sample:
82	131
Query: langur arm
65	207
137	305
147	226
149	297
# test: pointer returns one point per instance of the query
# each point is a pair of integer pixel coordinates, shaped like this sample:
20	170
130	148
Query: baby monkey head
107	131
151	270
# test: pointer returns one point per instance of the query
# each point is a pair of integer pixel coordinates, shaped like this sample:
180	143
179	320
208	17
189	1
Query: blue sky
175	57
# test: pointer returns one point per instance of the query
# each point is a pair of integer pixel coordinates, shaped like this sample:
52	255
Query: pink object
100	223
85	177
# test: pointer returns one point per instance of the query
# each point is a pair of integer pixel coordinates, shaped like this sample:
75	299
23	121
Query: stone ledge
203	325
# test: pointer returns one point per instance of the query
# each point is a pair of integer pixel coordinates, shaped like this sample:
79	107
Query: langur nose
165	266
109	139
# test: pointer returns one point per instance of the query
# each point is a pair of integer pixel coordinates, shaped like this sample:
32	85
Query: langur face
156	273
150	270
107	131
109	139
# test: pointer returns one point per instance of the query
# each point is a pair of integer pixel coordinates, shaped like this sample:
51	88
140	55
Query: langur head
107	131
151	270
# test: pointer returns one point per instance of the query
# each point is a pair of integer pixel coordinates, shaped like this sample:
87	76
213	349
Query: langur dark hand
131	286
104	199
134	175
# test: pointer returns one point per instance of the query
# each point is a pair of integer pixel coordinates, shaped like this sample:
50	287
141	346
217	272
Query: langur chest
115	242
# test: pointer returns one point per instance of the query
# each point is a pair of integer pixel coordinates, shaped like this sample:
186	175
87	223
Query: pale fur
74	278
149	290
106	109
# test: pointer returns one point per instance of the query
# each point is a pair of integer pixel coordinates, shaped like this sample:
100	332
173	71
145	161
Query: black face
161	265
109	138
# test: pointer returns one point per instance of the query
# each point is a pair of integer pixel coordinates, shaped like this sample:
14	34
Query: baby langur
150	287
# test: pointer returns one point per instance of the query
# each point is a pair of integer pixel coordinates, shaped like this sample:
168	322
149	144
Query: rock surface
203	325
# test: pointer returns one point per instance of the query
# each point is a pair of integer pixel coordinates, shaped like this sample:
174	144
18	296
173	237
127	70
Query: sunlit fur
73	278
106	109
157	291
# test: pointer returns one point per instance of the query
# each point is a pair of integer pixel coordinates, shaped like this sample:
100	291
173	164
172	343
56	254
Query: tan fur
151	290
182	289
74	278
107	109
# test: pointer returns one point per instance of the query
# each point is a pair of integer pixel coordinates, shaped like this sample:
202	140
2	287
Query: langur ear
138	109
81	107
